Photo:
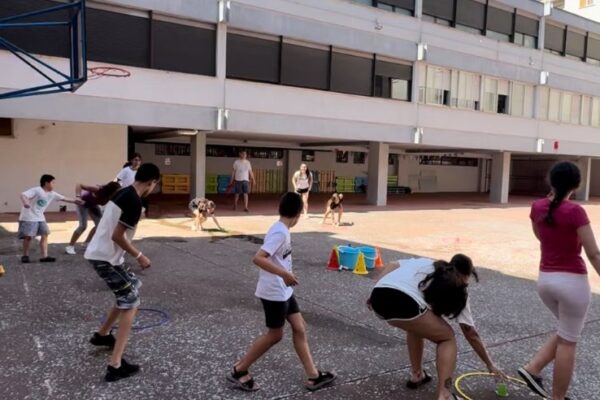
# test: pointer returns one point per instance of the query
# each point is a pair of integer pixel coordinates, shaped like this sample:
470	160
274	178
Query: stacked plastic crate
222	183
360	184
211	184
344	184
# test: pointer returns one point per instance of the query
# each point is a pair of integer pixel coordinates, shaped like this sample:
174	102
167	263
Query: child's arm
121	240
80	186
261	259
25	200
79	202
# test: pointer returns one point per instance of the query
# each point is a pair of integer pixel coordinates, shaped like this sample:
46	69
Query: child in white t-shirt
274	289
32	221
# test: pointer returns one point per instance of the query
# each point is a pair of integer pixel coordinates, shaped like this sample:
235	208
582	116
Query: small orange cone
378	260
334	263
361	267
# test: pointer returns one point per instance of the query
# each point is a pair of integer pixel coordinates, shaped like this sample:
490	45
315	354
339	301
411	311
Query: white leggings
568	296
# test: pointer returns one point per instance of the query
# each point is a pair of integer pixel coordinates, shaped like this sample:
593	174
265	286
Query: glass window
400	89
528	102
465	90
565	107
439	9
593	49
575	109
554	105
544	102
517	104
351	74
496	96
384	6
500	21
436	20
252	58
554	39
528	29
471	14
438	86
575	45
498	36
595	120
525	40
586	105
404	7
468	29
304	66
392	80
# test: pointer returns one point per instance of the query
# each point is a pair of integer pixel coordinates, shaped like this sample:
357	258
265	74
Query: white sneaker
70	250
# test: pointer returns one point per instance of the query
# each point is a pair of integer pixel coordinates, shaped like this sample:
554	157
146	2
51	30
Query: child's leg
44	246
301	344
416	346
82	214
325	216
260	347
340	212
112	318
26	243
125	324
90	235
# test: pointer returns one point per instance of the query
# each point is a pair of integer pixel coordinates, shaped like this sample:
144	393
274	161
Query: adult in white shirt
416	296
242	177
302	181
32	221
126	176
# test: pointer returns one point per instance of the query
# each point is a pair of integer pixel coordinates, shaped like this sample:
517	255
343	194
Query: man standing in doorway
242	176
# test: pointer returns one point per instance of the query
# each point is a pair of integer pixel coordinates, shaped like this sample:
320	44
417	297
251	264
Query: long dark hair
106	192
445	289
564	177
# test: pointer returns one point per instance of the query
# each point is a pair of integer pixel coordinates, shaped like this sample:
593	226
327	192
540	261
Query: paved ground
205	283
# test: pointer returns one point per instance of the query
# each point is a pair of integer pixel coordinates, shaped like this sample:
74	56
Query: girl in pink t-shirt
563	228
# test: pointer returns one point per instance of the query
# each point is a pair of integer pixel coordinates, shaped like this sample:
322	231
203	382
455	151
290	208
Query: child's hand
290	279
26	206
79	202
144	262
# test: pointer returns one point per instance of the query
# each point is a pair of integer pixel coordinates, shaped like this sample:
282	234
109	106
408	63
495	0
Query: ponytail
558	198
564	177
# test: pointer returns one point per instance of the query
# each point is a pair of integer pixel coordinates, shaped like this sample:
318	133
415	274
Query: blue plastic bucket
370	256
348	256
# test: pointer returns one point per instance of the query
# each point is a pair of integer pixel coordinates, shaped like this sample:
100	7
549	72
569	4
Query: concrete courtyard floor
204	282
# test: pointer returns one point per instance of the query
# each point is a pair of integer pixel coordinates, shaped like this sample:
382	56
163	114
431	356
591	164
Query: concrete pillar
585	166
500	177
221	67
418	8
414	87
378	168
541	33
198	156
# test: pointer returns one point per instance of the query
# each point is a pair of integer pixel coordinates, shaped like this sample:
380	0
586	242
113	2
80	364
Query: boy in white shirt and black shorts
274	289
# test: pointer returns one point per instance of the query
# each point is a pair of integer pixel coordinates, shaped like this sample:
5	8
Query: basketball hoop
107	71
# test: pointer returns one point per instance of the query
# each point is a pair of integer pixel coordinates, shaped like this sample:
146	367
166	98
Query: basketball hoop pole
77	38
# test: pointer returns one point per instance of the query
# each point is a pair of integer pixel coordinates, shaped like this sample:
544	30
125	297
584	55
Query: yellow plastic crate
176	184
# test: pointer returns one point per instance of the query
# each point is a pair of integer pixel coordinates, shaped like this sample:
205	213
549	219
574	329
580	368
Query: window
470	15
521	100
593	50
554	40
595	120
526	31
341	156
171	48
441	12
575	45
437	86
308	155
496	96
351	74
586	105
499	24
392	80
565	107
544	102
359	157
575	109
465	90
405	7
554	105
255	58
6	127
305	66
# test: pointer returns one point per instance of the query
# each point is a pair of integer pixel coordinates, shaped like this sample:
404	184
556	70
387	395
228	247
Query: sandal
415	385
247	386
323	379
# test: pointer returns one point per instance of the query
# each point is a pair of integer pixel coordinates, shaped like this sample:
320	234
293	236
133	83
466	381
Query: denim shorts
124	284
33	229
242	187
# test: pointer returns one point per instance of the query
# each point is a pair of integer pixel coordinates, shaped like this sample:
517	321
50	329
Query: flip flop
415	385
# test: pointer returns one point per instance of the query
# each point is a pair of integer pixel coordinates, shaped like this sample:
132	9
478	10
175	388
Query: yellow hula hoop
469	374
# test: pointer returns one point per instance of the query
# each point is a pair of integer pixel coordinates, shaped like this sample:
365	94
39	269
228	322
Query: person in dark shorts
302	182
242	176
106	252
415	295
274	289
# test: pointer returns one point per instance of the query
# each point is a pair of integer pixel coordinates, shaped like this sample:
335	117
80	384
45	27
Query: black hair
147	172
106	192
445	289
135	155
290	205
564	177
46	178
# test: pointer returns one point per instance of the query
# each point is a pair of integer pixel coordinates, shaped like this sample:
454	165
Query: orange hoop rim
108	71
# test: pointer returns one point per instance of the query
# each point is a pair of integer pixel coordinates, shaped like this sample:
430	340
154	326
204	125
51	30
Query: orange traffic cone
334	260
361	267
378	260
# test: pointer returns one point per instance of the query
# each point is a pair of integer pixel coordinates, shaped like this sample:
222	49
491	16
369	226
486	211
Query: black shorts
276	312
393	304
302	191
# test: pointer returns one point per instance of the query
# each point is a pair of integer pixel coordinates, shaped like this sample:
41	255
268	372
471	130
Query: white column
198	156
500	177
378	168
585	166
221	51
418	8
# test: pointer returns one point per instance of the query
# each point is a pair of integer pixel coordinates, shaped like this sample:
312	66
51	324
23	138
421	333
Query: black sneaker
99	340
25	259
124	371
533	382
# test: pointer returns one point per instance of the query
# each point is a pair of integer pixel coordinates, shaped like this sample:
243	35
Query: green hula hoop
469	374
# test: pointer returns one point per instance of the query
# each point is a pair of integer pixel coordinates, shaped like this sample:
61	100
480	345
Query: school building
435	95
